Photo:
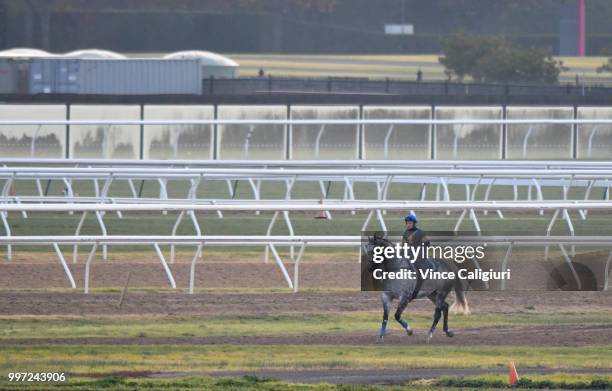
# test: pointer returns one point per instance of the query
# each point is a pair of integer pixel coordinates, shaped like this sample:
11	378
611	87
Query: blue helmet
411	217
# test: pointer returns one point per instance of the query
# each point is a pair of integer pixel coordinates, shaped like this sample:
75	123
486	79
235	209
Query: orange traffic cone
514	377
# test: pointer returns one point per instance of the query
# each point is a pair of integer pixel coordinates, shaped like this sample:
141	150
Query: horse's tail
460	297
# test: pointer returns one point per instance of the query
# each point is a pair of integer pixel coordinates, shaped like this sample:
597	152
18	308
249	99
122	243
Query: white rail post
386	145
247	141
64	265
458	224
291	232
75	248
570	226
132	188
104	232
587	193
367	220
290	184
590	144
571	266
174	229
90	258
475	221
456	141
196	224
280	264
7	229
255	193
318	141
33	143
324	196
504	265
549	230
526	141
607	272
68	191
268	233
539	193
381	220
296	268
165	265
196	256
446	192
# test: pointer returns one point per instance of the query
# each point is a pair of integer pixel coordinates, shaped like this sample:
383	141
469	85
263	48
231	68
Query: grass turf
98	359
560	380
298	324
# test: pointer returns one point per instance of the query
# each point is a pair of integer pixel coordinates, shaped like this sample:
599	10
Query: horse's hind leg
445	314
438	301
398	314
386	300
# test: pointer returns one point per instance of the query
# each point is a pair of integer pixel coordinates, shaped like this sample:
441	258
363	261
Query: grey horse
407	290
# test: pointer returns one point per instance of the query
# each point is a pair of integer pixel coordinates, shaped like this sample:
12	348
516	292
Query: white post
165	265
280	264
33	143
268	233
7	228
64	265
196	256
607	272
103	228
318	141
571	266
88	264
296	268
590	144
387	137
174	229
505	265
76	233
526	140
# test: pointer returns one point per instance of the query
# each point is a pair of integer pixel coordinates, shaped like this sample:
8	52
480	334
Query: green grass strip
95	359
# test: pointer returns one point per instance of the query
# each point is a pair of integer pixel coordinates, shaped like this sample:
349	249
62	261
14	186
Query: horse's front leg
386	300
404	300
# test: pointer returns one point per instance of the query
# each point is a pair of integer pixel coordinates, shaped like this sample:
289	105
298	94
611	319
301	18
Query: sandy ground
517	336
328	271
15	301
23	303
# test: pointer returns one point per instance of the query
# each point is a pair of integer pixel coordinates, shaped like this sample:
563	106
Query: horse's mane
384	240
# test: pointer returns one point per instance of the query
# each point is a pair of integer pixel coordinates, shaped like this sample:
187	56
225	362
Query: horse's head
368	250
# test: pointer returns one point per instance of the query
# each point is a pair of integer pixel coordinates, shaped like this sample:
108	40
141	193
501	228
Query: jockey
414	236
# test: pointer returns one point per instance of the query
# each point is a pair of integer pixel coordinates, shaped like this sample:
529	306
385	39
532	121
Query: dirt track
315	272
517	336
255	275
225	304
220	304
19	275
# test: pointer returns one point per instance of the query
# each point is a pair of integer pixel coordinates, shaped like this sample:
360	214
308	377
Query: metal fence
338	85
271	241
306	132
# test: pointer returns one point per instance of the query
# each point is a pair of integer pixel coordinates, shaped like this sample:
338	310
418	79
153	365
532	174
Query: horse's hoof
381	339
450	334
410	332
429	336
